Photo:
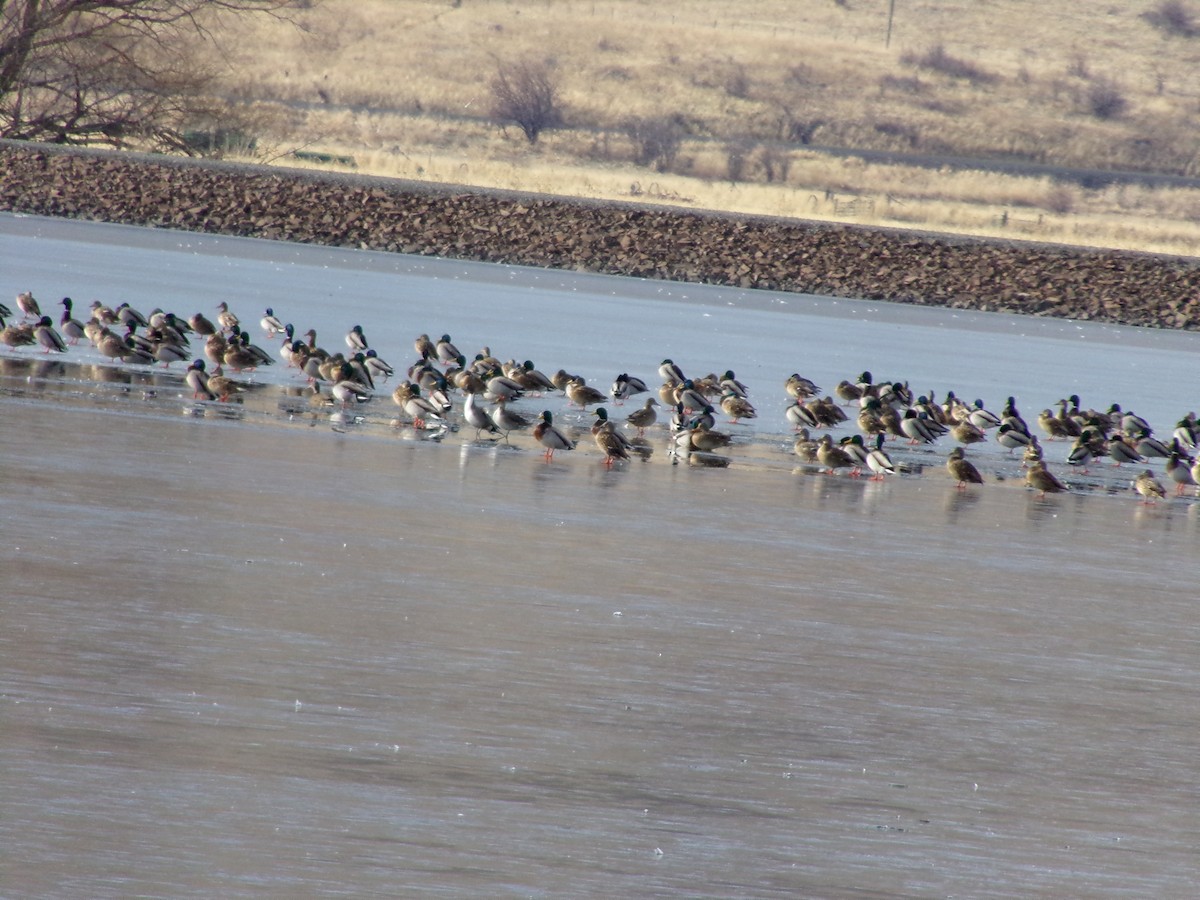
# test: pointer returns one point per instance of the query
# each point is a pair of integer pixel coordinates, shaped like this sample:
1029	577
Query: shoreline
627	239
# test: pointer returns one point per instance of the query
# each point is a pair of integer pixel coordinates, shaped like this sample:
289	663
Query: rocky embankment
614	238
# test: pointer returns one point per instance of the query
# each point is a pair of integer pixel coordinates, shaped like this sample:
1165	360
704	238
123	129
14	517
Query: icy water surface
254	650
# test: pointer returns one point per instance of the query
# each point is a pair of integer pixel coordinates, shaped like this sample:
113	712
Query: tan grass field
403	87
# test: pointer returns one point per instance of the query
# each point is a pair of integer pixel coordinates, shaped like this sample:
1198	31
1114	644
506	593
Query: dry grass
402	87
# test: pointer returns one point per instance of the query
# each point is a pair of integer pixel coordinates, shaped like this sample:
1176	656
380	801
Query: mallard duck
603	421
583	395
879	462
225	319
72	329
729	383
356	340
847	391
1010	416
691	398
402	392
240	358
48	337
1187	432
476	416
802	388
550	437
201	324
362	373
377	367
562	378
105	315
707	439
1148	445
827	412
167	352
110	344
804	446
1053	426
1043	480
643	418
869	421
130	317
28	306
447	354
425	348
1123	450
197	379
1088	446
1132	424
626	385
799	416
1069	423
737	407
670	372
223	386
16	335
502	387
961	469
270	323
1011	439
508	420
966	433
853	445
1033	453
1149	488
349	391
832	458
421	409
981	418
532	379
1179	470
612	443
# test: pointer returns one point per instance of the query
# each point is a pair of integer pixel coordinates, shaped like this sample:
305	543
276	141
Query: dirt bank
621	239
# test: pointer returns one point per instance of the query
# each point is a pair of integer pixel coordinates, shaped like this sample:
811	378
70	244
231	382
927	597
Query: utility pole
891	13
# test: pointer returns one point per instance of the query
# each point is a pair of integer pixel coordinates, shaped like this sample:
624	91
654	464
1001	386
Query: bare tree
526	93
108	71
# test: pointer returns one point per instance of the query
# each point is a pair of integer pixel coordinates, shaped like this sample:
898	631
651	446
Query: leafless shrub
737	155
1105	99
526	93
936	59
901	84
775	162
737	82
1059	200
656	141
1172	17
906	133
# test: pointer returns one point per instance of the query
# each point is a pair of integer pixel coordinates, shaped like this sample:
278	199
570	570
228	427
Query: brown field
403	88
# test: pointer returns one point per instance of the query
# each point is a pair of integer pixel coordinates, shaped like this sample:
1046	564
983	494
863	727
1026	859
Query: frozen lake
254	650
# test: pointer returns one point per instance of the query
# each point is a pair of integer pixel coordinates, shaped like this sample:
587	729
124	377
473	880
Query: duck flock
441	389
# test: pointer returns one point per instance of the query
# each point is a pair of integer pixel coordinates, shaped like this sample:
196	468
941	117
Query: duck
603	421
28	306
72	329
1088	445
1123	450
611	443
800	416
1033	452
583	395
967	433
201	325
167	352
804	446
705	438
356	340
476	416
532	379
1179	470
421	409
445	351
501	386
643	418
349	391
918	429
737	407
105	315
690	397
239	357
1187	432
728	383
546	434
270	323
847	391
223	386
1149	488
562	378
878	461
225	319
1147	445
1011	439
197	379
508	420
625	386
1053	427
1043	480
832	458
669	371
961	469
982	418
376	367
426	349
50	339
854	446
802	388
827	412
16	335
869	421
130	317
